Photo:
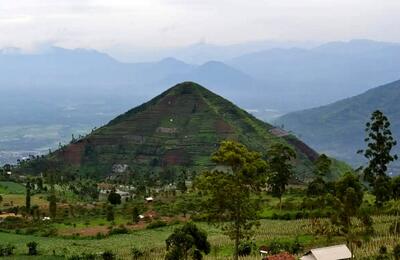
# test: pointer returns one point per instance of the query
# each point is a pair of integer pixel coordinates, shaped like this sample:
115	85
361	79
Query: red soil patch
72	153
175	157
86	232
223	128
303	148
93	231
281	256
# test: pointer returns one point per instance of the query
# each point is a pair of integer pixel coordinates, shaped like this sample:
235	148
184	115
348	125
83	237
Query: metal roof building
337	252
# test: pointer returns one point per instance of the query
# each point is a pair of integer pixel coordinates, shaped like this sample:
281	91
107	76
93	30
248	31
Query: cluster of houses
126	192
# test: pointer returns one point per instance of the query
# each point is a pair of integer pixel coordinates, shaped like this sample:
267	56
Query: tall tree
187	241
279	158
378	152
230	195
349	193
322	166
181	184
135	214
114	198
39	182
396	188
110	213
52	202
318	186
28	197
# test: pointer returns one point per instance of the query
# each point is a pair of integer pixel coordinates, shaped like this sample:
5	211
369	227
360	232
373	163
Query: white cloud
102	24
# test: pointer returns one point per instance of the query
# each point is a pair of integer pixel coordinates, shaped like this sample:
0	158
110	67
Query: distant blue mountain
317	76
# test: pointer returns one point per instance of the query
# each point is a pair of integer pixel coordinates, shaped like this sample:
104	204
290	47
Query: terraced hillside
181	127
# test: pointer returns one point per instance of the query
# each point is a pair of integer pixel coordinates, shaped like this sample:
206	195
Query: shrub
292	247
108	255
382	253
185	239
6	250
32	248
136	253
383	250
295	247
275	247
156	224
245	248
118	230
49	232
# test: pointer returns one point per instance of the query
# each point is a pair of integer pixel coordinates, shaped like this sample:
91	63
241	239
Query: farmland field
152	242
8	187
19	200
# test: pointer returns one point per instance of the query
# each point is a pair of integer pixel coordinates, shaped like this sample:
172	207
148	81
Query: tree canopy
187	242
230	194
378	152
280	169
114	198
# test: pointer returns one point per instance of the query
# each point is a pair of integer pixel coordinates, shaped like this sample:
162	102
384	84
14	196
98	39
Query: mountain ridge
338	128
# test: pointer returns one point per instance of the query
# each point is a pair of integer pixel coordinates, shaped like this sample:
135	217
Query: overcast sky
107	24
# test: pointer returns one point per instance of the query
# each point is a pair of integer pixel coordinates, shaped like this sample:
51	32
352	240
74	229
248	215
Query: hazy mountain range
308	78
203	52
49	95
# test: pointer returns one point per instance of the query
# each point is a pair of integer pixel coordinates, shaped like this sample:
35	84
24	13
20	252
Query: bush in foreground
6	250
32	248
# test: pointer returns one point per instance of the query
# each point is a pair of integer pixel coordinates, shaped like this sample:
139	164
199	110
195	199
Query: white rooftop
337	252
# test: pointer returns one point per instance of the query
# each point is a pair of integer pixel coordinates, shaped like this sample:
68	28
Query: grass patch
8	187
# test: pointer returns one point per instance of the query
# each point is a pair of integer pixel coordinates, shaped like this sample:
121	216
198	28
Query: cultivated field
152	242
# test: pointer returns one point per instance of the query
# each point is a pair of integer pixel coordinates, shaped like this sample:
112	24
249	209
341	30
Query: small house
149	199
337	252
264	251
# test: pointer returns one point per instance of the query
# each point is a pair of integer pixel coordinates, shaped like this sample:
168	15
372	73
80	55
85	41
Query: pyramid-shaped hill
181	127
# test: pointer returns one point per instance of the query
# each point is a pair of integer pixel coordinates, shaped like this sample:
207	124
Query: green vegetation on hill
338	129
179	128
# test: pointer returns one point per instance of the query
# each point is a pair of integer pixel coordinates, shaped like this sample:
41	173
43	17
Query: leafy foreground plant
187	241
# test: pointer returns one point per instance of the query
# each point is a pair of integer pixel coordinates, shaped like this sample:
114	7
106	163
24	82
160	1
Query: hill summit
181	127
